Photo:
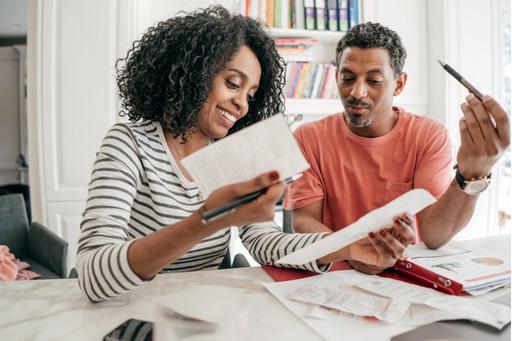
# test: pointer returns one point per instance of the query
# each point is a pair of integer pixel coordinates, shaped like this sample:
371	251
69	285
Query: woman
188	81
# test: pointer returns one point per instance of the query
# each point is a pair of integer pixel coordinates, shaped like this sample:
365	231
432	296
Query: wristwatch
473	186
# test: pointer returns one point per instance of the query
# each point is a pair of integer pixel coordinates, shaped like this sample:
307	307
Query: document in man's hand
264	146
474	266
411	202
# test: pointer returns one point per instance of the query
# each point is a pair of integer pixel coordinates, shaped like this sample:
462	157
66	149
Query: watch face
476	187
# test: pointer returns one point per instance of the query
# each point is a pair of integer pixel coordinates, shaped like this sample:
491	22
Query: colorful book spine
299	15
343	15
309	14
332	15
277	13
320	14
270	13
353	13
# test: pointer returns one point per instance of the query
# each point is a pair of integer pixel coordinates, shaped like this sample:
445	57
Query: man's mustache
358	103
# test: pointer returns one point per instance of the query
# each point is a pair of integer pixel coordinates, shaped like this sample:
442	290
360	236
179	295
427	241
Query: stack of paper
478	265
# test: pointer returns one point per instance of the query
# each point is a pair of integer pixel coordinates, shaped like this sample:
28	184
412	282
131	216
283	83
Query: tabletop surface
57	310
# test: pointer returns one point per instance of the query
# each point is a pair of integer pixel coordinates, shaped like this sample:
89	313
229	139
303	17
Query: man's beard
358	121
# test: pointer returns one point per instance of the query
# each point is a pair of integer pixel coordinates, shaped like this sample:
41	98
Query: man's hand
381	250
482	143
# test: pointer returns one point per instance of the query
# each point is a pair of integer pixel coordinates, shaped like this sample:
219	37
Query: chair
35	244
19	188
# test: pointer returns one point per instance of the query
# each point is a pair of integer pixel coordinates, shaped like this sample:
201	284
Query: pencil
461	80
216	213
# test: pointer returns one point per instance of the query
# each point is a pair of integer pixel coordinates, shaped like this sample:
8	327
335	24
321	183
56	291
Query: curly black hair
168	73
371	35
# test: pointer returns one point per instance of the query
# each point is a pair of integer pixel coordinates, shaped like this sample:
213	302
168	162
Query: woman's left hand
381	250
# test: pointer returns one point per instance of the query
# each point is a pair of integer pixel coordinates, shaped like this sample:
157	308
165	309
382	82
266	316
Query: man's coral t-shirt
353	175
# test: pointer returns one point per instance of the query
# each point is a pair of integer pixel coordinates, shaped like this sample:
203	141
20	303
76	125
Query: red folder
403	270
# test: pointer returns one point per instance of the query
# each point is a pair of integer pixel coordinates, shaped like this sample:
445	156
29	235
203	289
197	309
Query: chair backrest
14	224
19	188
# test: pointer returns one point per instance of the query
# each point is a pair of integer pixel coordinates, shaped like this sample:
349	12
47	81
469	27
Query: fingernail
382	233
273	175
371	234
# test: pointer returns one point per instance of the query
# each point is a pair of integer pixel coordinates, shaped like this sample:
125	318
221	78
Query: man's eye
374	81
347	80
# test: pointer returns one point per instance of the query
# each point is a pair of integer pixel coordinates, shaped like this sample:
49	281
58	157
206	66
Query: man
373	152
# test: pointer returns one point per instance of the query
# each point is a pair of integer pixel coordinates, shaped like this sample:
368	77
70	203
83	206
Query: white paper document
264	146
476	264
332	302
411	202
493	314
332	324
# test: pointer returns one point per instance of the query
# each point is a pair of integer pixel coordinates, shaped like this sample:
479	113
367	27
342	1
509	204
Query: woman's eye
347	80
231	84
250	98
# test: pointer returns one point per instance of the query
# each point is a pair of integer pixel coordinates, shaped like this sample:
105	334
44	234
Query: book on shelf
331	15
309	14
296	49
353	13
310	80
320	14
342	15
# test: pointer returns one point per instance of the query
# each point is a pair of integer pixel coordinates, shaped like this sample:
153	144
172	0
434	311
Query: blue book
353	13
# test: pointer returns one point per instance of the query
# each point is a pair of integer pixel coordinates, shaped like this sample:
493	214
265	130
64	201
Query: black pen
461	80
216	213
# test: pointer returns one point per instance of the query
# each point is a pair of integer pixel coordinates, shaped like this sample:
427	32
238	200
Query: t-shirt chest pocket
396	189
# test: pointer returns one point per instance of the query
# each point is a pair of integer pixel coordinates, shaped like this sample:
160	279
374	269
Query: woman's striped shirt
137	188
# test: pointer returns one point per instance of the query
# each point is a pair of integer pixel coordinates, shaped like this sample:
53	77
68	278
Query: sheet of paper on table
411	202
324	303
264	146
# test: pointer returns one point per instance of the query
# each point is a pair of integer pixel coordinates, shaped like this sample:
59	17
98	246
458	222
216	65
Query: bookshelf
306	33
323	52
324	37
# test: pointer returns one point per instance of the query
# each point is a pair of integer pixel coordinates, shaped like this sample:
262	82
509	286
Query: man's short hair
374	35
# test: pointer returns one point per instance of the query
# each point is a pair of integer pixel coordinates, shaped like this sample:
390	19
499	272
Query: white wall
9	114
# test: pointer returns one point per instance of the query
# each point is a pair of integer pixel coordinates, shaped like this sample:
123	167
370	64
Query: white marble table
56	309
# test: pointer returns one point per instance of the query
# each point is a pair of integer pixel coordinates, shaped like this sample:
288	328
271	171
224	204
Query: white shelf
324	37
313	106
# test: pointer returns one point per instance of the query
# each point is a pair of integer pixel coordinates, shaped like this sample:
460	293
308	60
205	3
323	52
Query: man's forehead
370	59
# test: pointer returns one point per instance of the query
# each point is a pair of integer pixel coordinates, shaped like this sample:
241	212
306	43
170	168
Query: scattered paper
264	146
421	251
329	323
411	202
341	299
493	314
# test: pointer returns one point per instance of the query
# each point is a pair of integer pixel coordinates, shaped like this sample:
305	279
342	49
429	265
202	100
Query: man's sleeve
433	170
309	188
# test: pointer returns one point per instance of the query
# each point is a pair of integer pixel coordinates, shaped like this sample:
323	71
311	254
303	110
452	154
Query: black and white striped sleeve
102	256
267	244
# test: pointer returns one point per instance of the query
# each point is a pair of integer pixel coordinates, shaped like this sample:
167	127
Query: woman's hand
258	210
381	250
